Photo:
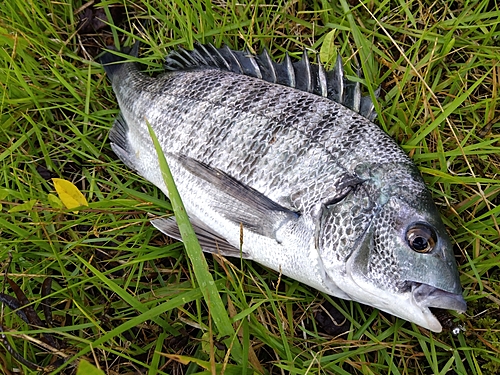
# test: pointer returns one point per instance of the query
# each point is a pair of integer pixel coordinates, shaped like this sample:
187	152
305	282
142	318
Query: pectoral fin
238	202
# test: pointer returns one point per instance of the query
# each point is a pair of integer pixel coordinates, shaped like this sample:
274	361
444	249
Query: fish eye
421	238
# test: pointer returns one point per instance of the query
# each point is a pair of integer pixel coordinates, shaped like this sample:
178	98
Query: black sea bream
289	152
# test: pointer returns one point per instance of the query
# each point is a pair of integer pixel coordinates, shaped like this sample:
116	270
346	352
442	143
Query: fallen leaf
69	194
328	50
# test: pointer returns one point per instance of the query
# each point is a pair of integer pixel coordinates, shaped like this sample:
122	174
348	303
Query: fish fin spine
301	74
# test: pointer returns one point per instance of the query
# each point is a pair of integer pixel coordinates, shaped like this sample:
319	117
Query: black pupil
420	243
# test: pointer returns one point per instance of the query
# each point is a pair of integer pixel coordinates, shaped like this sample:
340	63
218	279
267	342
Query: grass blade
205	280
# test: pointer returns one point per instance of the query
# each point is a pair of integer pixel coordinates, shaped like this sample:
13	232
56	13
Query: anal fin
210	241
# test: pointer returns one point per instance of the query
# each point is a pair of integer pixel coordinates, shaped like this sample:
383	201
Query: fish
282	164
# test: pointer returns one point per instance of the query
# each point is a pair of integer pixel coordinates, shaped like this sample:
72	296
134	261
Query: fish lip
427	296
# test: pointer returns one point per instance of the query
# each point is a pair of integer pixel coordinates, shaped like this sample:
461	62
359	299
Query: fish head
402	262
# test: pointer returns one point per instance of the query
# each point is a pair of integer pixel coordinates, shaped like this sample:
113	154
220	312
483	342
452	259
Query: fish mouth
412	300
429	296
426	297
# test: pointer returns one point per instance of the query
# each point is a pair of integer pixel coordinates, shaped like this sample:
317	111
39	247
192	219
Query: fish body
289	153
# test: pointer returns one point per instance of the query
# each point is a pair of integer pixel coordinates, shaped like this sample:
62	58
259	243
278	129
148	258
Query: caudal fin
112	61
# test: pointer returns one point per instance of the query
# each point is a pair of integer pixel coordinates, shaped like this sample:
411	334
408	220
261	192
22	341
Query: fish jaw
411	301
436	298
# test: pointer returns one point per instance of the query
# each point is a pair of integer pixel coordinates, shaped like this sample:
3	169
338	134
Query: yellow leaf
69	194
180	358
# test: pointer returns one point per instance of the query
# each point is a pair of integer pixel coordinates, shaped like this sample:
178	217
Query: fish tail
112	62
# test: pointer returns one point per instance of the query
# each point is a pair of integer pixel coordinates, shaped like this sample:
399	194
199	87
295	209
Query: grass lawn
117	293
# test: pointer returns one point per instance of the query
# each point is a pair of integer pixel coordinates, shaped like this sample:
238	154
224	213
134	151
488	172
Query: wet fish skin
324	195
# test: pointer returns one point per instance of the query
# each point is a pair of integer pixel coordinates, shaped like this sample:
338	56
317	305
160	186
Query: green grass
125	298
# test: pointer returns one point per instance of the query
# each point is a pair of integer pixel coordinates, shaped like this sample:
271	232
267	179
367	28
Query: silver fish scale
383	267
254	141
399	180
291	146
278	140
219	104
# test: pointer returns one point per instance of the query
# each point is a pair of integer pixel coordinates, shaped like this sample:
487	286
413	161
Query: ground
106	287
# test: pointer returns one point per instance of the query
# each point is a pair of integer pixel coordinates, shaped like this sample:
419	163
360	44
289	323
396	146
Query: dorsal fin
301	75
303	80
267	67
285	72
321	87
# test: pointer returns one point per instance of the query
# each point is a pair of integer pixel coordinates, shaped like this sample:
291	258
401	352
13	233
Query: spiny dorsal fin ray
303	76
352	95
284	72
367	108
321	79
267	67
335	82
231	59
300	75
